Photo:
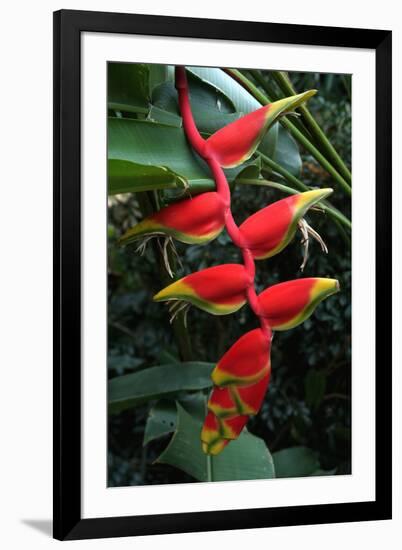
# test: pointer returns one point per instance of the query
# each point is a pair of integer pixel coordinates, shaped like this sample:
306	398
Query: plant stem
246	83
209	468
333	212
268	183
208	456
283	172
284	82
198	143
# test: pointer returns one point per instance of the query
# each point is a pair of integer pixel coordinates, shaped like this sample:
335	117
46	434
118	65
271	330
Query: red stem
200	145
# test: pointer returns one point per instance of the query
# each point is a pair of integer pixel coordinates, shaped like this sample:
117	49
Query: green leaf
320	472
159	74
134	389
121	362
211	109
295	462
165	357
206	97
314	385
245	458
151	146
164	117
128	88
164	97
241	99
269	141
210	123
194	404
287	152
161	420
129	177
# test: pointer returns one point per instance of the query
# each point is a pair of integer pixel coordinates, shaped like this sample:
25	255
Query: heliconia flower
230	428
270	230
221	402
240	379
219	290
233	400
249	398
247	361
288	304
235	143
192	221
212	441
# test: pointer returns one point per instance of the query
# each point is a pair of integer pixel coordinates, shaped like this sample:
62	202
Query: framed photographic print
222	334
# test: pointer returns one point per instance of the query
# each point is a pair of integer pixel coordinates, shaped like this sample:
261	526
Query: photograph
229	275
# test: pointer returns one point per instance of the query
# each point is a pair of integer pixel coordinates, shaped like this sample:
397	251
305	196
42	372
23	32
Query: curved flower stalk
242	375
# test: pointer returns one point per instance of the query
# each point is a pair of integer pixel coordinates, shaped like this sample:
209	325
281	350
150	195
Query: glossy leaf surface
134	389
245	458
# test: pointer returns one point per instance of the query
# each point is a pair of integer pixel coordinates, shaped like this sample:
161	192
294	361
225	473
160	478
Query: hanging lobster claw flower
249	398
229	401
192	221
247	361
240	379
235	143
288	304
270	230
212	441
219	290
230	428
222	403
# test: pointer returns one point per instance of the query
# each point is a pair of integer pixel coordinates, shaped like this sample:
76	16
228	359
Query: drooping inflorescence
241	377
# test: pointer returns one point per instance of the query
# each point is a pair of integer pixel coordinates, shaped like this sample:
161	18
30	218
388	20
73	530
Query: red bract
249	398
219	290
192	221
235	143
241	379
245	362
270	230
286	305
212	441
230	428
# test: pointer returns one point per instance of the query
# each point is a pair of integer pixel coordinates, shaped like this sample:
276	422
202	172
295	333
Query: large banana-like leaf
162	418
130	390
156	148
128	87
241	99
245	458
295	462
286	152
145	155
125	176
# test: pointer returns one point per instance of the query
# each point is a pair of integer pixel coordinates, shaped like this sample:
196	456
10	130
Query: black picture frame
68	26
